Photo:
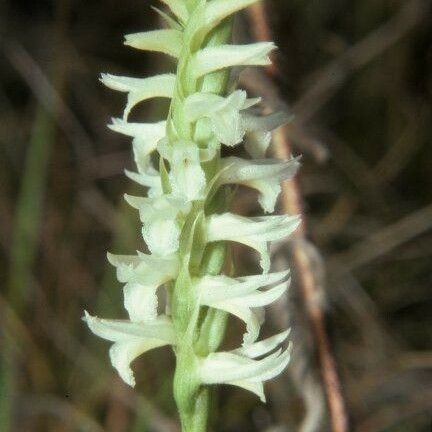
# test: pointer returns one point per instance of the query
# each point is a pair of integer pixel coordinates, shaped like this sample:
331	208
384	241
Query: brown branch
312	292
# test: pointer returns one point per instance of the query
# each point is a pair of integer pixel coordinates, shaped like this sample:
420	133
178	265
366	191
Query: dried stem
311	291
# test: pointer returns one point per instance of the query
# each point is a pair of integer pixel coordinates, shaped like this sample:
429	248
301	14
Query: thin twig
311	291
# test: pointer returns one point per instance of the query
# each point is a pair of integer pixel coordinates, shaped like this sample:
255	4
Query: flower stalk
186	223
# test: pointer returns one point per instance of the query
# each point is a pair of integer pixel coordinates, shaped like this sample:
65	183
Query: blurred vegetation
358	77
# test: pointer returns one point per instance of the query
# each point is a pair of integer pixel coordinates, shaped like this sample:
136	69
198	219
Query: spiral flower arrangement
186	224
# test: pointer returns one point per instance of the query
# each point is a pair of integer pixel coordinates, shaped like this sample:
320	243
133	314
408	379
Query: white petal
211	59
261	298
241	307
140	301
221	367
258	131
151	181
162	237
257	143
145	138
253	232
247	315
266	123
277	366
167	41
263	347
160	216
223	112
144	269
220	288
187	178
131	339
254	387
263	175
123	353
121	330
141	89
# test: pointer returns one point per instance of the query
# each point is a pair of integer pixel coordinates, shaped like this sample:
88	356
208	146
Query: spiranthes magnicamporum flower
185	221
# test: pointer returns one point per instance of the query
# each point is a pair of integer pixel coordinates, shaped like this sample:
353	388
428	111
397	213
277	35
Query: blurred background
357	77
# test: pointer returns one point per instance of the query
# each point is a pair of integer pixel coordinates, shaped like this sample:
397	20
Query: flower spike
185	215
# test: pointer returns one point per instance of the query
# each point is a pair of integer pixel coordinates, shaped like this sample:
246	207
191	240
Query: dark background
357	76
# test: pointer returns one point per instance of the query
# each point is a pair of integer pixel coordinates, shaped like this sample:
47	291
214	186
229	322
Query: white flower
211	59
264	175
167	41
187	178
140	89
143	275
131	340
149	177
145	138
239	367
160	216
258	131
254	232
224	114
241	295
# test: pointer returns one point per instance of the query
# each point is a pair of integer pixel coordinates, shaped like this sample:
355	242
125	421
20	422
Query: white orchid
131	339
240	367
224	114
254	232
185	218
140	89
242	296
187	177
143	275
161	218
264	175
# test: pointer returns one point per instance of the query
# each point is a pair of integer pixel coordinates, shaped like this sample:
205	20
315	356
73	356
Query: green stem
195	338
